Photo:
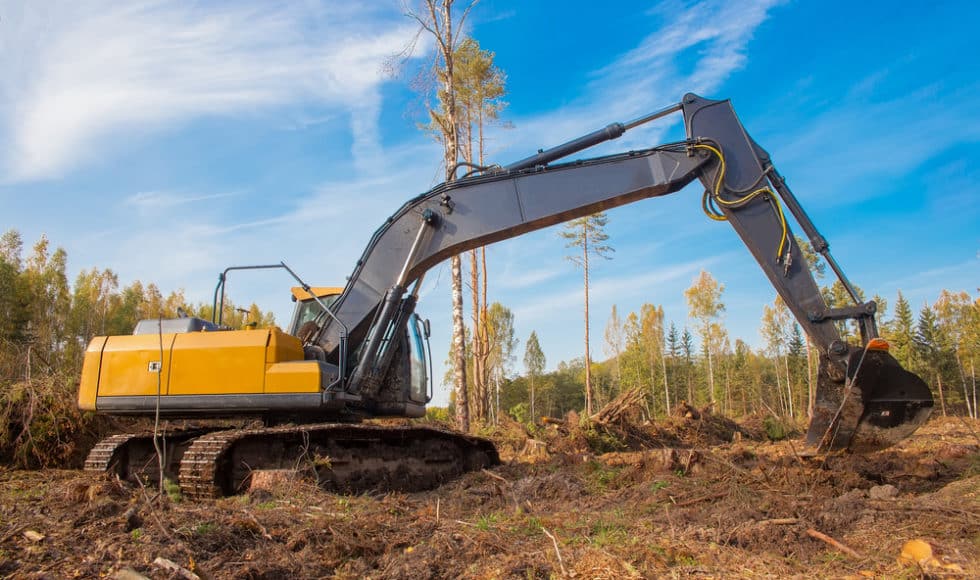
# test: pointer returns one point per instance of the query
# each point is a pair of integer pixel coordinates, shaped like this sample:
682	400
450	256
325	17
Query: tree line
703	364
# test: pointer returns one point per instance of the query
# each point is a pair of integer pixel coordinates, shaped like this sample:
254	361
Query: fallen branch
13	532
825	538
686	503
780	522
494	475
554	541
175	568
265	532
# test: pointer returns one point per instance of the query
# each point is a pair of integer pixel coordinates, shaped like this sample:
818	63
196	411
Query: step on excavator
361	351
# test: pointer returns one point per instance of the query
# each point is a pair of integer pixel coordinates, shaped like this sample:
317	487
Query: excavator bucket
875	403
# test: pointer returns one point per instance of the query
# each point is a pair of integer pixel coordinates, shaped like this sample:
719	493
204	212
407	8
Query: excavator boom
741	186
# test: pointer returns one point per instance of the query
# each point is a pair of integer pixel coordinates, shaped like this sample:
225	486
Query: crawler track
341	457
338	456
132	455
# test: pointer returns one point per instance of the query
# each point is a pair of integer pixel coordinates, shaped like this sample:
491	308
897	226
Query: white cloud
695	48
152	202
606	290
80	77
897	137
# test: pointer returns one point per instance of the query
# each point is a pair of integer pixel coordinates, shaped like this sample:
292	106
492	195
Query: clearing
684	501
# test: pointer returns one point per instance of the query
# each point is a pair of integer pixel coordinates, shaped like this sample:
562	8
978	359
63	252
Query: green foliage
521	413
532	526
487	521
205	528
776	429
600	477
437	415
601	440
606	533
172	489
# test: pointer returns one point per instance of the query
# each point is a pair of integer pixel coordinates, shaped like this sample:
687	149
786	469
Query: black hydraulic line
611	131
817	241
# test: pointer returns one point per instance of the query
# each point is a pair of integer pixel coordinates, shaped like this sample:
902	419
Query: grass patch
172	489
605	533
600	477
487	521
205	528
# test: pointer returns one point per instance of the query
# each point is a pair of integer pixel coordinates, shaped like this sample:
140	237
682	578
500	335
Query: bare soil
680	500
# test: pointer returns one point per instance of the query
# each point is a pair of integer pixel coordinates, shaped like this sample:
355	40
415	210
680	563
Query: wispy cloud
149	202
893	142
605	290
79	77
693	47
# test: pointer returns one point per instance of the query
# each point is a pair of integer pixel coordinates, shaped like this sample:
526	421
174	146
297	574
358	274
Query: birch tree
480	88
435	17
614	344
705	305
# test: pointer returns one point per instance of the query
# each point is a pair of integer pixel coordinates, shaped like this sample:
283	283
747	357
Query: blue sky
168	140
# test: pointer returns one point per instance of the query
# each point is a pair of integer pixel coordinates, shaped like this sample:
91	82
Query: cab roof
318	291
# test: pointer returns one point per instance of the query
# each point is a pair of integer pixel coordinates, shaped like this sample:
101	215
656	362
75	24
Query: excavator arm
865	400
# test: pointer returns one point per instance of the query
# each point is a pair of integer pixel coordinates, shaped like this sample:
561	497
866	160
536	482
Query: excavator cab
307	309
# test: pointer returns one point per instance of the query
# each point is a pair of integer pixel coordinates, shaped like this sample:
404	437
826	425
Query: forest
672	363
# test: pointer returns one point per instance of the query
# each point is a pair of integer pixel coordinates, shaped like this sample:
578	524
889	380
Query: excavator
361	351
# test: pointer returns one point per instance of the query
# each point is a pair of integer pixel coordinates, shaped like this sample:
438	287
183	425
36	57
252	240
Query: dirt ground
684	505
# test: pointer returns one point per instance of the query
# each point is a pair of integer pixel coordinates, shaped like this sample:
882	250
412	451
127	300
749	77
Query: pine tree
901	333
587	233
534	363
687	346
931	350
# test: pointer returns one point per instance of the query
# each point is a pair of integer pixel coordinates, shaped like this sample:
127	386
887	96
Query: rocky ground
678	499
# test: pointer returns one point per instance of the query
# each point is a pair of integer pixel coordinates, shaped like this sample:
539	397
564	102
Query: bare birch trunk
711	374
942	396
973	377
789	387
459	347
779	383
476	343
588	358
811	394
966	392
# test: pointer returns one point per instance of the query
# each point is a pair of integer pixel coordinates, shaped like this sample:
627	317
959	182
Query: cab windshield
307	310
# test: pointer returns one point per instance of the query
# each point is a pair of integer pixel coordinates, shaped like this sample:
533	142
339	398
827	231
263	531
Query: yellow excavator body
230	362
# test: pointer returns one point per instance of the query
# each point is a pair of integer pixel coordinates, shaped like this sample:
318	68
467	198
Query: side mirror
427	328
